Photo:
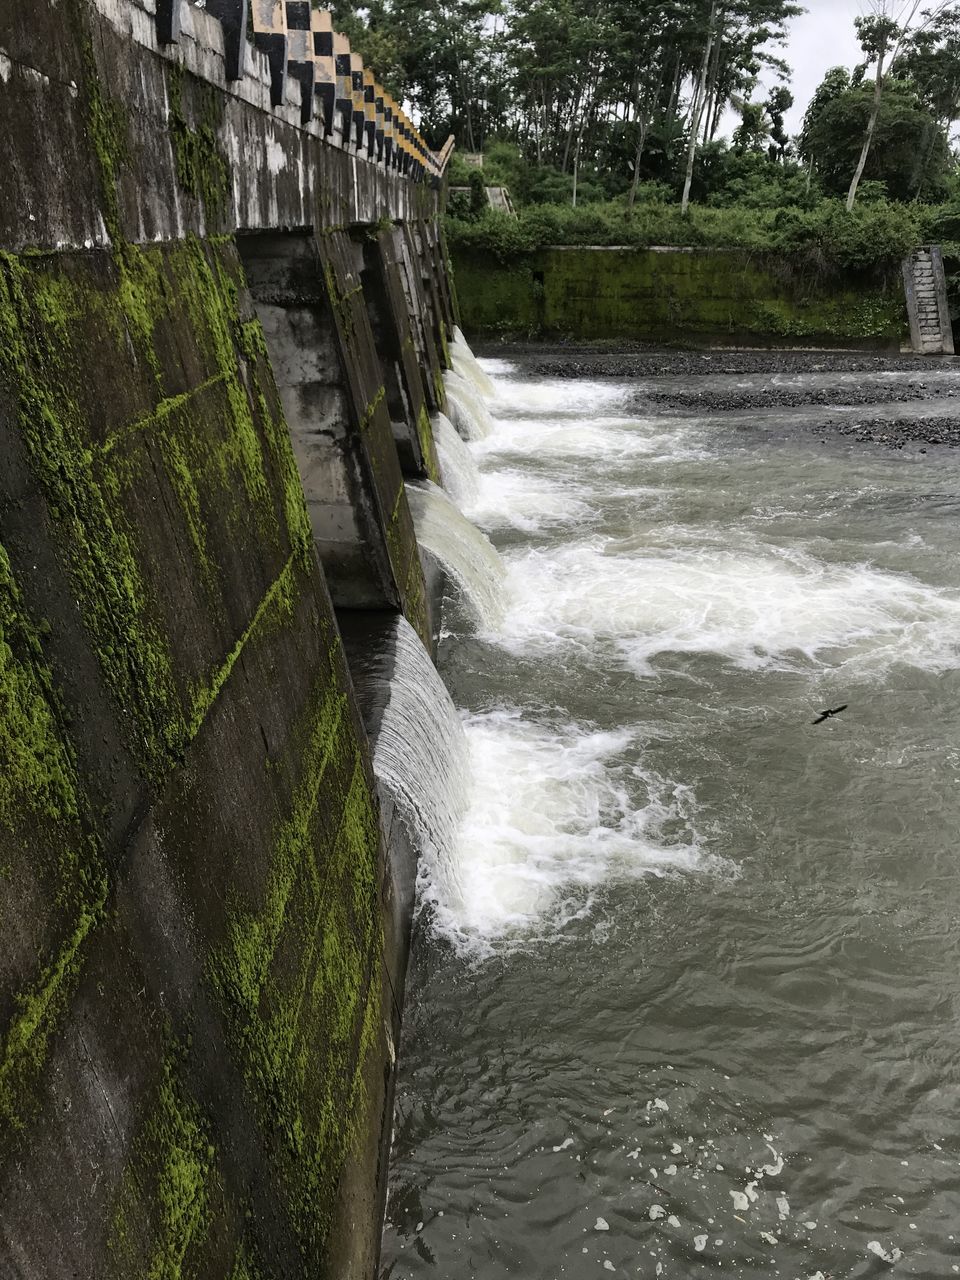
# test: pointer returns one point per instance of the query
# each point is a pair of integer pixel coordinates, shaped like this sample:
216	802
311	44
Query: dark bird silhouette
826	715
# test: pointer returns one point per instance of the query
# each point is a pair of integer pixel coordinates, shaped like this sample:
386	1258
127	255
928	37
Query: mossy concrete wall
199	950
194	1004
702	297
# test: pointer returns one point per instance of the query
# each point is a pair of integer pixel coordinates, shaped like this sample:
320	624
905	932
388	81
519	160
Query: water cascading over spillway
419	747
469	414
465	554
468	366
458	468
687	922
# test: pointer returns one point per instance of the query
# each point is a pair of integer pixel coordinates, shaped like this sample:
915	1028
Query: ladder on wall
925	284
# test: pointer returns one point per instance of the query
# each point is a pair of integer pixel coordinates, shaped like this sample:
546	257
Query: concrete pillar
437	313
433	261
310	302
419	307
393	332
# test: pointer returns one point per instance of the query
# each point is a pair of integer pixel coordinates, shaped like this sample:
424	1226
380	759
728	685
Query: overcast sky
824	37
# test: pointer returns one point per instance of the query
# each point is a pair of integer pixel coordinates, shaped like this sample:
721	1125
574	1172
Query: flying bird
826	715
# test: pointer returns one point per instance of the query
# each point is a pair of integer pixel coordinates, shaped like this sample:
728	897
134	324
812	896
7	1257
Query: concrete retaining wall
703	297
202	937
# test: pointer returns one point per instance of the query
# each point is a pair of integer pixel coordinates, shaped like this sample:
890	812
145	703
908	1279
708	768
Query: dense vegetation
647	121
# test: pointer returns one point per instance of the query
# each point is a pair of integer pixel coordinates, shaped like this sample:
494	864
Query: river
684	999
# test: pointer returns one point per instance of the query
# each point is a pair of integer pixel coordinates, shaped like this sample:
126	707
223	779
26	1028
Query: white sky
824	37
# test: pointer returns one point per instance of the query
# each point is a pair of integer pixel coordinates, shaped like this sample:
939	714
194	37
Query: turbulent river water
685	999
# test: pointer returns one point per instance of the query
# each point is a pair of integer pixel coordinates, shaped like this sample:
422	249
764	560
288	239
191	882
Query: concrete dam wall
224	323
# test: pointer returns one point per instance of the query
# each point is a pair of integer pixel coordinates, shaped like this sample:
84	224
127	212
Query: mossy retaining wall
194	1010
198	925
675	296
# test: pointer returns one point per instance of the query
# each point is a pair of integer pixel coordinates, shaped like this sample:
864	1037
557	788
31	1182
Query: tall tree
882	35
910	154
699	100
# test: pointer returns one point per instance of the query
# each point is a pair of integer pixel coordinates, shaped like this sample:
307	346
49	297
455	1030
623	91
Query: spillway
686	1006
465	554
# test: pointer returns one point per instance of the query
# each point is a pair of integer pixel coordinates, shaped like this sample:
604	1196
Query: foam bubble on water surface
604	441
494	367
759	608
525	501
892	1255
518	396
553	813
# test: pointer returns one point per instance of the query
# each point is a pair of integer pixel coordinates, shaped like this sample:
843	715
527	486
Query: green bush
874	237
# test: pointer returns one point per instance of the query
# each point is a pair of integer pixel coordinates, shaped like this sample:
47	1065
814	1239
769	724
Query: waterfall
471	372
466	364
469	414
419	747
461	478
465	554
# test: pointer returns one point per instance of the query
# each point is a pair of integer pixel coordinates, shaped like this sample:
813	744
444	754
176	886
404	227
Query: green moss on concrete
245	1267
677	296
341	303
427	447
25	1043
40	792
106	121
202	167
372	408
275	609
209	294
162	1213
405	557
217	443
37	775
35	340
299	973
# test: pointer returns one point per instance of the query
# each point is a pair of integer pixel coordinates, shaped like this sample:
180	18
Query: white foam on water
553	813
516	499
466	555
763	608
458	467
877	1249
607	442
465	363
552	396
468	411
494	367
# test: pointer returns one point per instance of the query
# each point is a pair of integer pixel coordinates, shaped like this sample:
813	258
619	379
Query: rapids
685	996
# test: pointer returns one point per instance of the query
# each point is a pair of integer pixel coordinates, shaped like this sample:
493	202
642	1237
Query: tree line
601	99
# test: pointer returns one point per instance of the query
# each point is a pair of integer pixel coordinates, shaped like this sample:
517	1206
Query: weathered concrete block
202	942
